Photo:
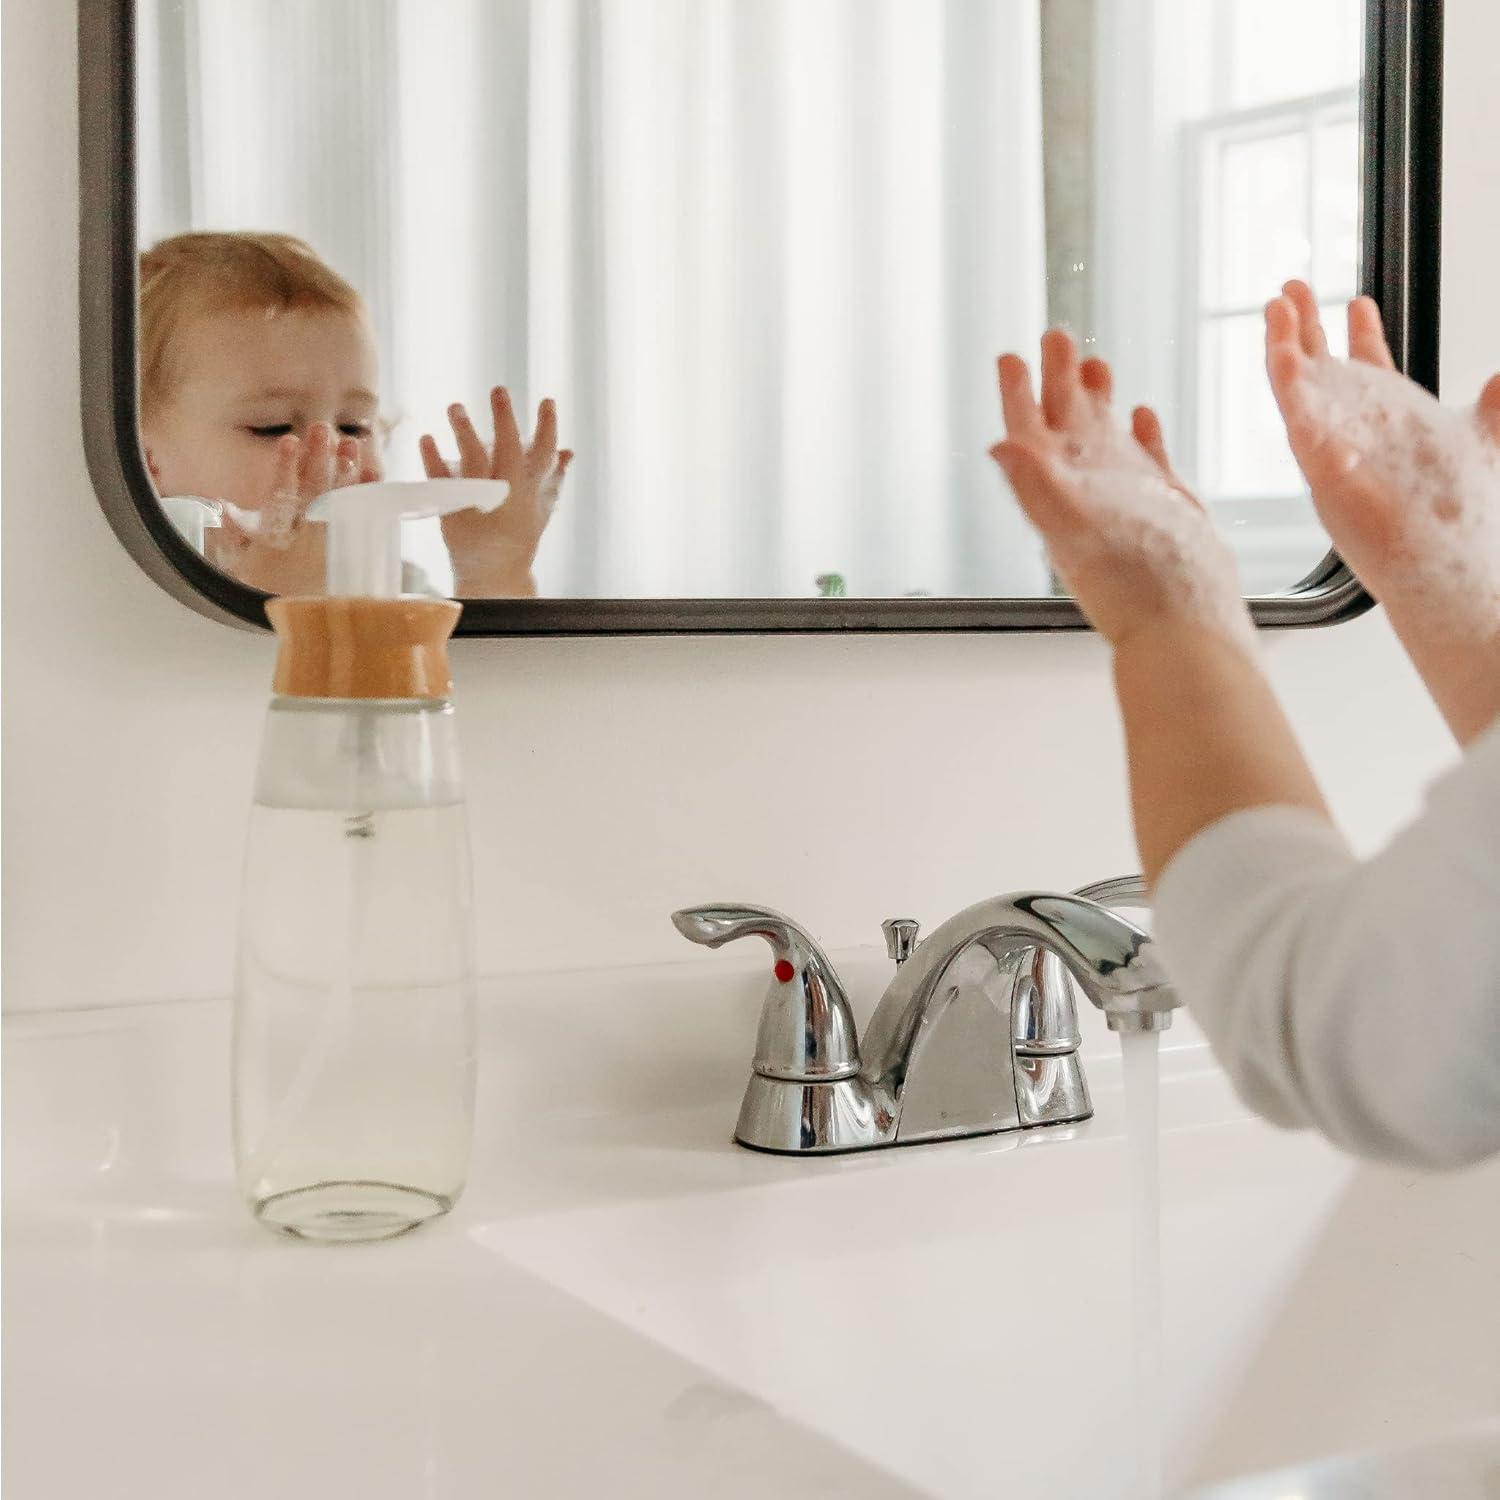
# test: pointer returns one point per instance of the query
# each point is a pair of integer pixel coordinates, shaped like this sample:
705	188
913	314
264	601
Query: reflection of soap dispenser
354	993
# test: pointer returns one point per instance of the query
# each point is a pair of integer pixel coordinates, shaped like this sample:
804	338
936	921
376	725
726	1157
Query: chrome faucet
977	1032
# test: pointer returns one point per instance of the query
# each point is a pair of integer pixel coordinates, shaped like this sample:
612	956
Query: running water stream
1139	1058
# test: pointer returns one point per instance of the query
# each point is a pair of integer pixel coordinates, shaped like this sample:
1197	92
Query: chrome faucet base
1052	1091
800	1119
829	1119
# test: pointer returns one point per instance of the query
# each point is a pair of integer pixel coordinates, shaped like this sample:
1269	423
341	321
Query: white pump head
191	516
364	526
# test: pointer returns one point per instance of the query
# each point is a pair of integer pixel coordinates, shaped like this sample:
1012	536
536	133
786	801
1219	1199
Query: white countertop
624	1300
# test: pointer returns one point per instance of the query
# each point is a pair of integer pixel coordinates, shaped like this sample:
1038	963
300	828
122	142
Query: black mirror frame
1402	109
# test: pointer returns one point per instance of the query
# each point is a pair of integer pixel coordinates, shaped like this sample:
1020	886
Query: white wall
843	779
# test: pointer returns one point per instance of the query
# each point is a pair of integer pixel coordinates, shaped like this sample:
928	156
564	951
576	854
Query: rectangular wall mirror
761	254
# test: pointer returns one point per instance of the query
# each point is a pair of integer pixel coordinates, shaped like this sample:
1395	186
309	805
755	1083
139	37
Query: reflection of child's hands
275	548
1409	491
493	552
1134	547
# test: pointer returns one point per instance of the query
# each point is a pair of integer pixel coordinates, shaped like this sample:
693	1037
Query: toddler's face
246	378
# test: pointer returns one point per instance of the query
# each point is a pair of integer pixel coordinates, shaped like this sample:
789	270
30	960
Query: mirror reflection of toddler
259	387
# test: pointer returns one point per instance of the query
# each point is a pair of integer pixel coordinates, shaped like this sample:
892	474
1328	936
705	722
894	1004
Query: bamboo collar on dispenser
364	638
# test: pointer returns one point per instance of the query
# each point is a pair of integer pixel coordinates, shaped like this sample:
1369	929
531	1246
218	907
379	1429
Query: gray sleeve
1359	998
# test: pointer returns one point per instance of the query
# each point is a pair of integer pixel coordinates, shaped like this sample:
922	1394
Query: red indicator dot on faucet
784	971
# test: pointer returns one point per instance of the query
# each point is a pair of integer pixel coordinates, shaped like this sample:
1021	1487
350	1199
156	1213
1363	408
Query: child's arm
493	553
1204	733
1408	490
1205	737
1355	997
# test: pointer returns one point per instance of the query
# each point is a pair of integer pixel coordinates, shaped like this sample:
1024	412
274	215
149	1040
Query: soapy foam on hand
276	524
1442	469
1136	509
281	519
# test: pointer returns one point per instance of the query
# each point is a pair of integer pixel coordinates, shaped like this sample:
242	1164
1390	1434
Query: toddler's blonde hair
219	271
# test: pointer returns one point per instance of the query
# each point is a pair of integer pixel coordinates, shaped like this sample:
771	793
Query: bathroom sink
626	1300
962	1312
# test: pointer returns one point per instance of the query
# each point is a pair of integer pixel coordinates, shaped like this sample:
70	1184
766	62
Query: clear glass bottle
354	1014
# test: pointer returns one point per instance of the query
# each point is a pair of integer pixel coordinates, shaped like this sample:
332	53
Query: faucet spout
1109	957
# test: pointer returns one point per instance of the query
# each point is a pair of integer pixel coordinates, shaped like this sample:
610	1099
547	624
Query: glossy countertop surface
625	1301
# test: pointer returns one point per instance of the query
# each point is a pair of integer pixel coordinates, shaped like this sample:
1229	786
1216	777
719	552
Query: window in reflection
1226	166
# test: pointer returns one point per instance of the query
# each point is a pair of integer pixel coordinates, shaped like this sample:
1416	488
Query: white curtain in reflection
762	251
275	114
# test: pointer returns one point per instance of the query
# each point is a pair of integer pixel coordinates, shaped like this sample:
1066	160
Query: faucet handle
807	1032
900	937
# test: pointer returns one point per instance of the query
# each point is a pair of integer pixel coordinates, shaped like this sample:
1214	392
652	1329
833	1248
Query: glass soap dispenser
354	1018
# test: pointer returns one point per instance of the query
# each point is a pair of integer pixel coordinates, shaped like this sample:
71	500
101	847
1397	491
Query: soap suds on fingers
276	524
1442	468
1134	507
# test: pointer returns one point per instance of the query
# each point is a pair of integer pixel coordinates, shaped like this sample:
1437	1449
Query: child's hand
1135	548
275	548
493	552
1408	490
